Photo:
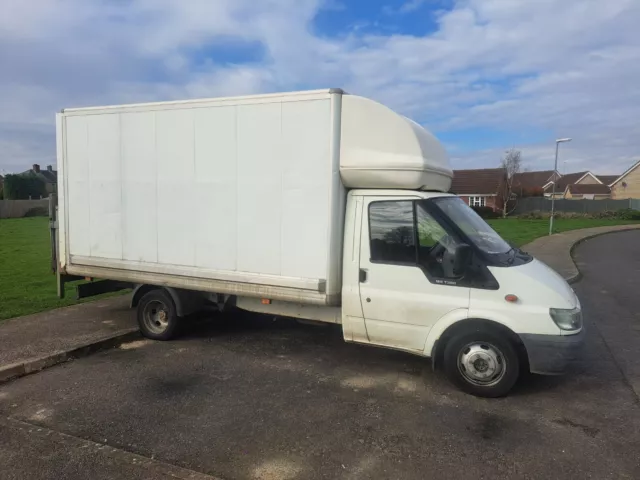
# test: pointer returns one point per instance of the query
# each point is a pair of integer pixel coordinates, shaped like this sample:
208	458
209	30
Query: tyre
482	363
157	315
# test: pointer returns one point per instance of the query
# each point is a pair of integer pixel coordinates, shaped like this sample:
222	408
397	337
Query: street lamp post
553	190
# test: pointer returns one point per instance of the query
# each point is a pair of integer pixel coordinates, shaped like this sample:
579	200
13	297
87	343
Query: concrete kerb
57	309
578	275
33	365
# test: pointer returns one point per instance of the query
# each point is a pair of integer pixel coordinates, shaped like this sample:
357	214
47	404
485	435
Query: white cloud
411	6
561	68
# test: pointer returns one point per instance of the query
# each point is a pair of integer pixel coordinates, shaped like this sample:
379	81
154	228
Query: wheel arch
477	324
176	295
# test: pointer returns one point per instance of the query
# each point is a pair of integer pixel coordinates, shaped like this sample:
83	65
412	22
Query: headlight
567	319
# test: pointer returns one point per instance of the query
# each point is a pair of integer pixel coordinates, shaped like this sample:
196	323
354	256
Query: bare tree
512	164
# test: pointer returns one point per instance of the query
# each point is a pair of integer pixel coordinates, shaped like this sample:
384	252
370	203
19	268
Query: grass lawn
28	286
520	231
26	282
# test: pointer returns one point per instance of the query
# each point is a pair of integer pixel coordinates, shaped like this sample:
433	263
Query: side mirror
461	259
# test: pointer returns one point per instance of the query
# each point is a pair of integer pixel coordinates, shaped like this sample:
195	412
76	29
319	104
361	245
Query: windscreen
478	231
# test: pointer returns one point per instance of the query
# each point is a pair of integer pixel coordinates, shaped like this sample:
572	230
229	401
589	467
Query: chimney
36	168
49	168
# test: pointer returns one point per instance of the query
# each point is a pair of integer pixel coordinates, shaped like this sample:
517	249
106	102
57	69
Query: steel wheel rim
482	364
156	316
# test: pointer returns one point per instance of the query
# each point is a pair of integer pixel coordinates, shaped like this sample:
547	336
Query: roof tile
595	188
607	179
486	181
532	179
568	179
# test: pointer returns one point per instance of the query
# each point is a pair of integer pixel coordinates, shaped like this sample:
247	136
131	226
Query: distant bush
624	214
572	215
534	215
613	214
628	214
487	212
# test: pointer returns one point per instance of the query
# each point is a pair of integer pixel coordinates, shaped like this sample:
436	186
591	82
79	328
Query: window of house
392	233
477	201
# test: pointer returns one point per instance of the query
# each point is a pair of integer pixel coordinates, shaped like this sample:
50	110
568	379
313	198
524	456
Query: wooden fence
21	208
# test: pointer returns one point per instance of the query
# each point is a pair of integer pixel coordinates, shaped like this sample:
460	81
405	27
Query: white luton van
316	205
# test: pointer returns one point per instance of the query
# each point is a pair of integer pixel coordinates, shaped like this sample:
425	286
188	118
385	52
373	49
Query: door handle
363	275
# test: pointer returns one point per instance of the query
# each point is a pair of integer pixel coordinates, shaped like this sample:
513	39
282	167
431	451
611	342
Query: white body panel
243	191
247	189
399	303
537	287
381	149
401	309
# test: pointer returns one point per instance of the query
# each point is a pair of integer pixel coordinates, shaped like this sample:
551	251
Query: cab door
402	299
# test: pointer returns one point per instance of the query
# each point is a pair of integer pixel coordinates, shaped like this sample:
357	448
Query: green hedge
624	214
23	187
487	212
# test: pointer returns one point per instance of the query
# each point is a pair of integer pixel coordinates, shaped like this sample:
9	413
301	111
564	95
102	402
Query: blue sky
417	17
483	75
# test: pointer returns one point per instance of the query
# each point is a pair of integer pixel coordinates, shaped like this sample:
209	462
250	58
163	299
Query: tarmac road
251	397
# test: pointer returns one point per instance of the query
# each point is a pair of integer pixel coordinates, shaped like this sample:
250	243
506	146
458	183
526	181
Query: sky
483	75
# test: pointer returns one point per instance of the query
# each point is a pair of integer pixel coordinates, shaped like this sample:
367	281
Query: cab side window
392	233
436	248
397	239
430	232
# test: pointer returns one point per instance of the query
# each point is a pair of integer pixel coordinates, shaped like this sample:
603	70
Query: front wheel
157	315
484	364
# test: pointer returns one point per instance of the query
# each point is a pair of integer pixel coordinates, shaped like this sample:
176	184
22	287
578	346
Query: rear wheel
157	315
484	364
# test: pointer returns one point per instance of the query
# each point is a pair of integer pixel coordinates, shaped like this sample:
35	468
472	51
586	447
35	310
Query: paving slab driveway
249	397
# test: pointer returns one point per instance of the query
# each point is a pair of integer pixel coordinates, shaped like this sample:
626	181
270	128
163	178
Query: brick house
529	183
627	185
579	185
599	187
484	187
480	187
578	178
595	191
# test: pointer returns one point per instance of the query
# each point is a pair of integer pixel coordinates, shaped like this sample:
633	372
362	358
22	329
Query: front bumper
553	354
